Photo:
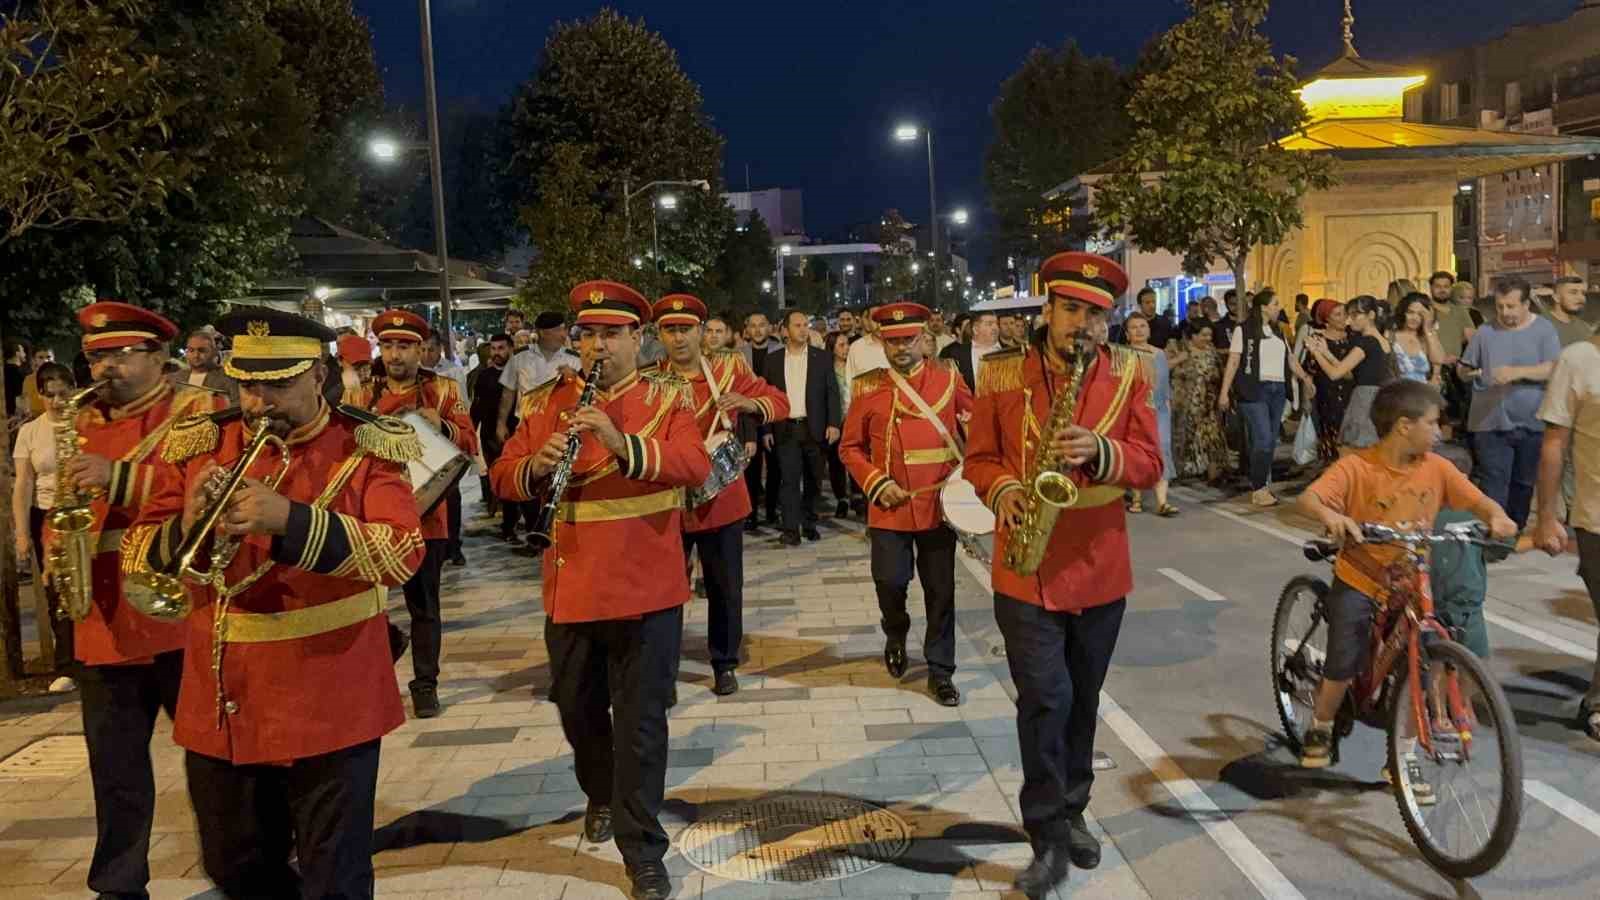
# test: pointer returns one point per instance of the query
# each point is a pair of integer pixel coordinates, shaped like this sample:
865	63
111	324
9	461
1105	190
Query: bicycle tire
1280	624
1509	817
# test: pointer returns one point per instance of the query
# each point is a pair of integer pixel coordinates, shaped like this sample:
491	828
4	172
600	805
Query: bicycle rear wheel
1298	653
1462	803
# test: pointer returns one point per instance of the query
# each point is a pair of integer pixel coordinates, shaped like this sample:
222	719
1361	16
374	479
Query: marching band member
614	629
716	528
899	445
282	719
408	387
1061	621
131	664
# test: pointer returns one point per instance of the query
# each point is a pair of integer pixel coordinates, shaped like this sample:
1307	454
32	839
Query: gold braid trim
673	389
1001	371
377	551
289	371
135	548
190	437
389	439
867	382
536	400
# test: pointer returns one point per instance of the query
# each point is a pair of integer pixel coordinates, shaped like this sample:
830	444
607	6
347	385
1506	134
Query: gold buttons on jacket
230	707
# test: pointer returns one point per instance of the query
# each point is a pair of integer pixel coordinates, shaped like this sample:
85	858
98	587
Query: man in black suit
816	413
485	413
966	354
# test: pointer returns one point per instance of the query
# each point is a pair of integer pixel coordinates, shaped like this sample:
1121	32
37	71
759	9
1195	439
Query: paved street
482	802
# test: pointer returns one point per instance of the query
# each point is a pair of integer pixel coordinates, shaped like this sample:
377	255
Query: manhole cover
57	756
796	837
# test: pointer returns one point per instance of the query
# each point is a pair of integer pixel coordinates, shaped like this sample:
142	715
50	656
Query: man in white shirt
805	375
866	354
968	356
433	360
536	365
942	337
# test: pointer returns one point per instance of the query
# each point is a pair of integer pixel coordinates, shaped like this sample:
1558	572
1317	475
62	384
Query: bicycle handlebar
1476	533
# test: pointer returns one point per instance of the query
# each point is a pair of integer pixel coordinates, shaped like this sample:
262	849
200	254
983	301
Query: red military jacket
306	667
732	374
115	632
1086	562
617	545
427	391
888	441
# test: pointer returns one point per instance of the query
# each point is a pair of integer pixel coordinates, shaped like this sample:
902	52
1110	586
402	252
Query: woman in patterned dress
1200	447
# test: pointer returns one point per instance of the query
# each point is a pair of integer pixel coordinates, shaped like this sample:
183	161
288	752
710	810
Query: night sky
807	94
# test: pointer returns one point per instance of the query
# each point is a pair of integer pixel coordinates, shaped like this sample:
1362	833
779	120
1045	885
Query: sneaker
1421	790
1316	748
1263	498
63	685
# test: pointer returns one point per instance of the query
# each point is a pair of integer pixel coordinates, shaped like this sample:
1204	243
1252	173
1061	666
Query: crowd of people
666	429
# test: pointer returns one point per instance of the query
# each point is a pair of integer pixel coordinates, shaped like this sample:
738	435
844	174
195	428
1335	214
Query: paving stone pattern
482	802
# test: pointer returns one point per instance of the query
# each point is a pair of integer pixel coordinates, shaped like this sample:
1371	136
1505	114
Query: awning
1379	145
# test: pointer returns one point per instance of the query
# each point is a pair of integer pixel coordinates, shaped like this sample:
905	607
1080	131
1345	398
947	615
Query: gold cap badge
1090	270
597	296
677	304
98	320
397	320
258	329
899	314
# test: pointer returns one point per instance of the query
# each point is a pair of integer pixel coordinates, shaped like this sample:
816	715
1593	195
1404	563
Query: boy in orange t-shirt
1398	482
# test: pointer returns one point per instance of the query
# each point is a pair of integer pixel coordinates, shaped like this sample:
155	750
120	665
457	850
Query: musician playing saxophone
131	664
408	387
613	576
282	718
1061	622
716	528
900	457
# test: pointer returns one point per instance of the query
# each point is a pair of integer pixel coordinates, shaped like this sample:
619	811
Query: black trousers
722	562
427	627
801	464
932	554
251	818
119	715
1058	661
611	681
452	503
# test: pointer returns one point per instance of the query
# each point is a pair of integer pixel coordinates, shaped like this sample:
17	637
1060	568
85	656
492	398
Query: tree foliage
83	109
611	91
575	238
1203	176
746	261
1060	115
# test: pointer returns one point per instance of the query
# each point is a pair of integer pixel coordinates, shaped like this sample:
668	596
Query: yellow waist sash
257	628
575	511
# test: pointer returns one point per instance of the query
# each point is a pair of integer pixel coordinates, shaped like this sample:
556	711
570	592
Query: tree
1204	176
746	261
613	88
576	240
1060	115
83	111
479	198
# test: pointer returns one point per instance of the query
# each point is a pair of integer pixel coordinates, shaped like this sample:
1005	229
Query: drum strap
927	413
716	394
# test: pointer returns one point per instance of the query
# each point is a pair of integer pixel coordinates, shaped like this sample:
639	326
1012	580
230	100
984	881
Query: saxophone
70	559
1049	484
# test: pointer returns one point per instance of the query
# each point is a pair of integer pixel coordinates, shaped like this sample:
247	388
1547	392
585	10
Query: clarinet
540	537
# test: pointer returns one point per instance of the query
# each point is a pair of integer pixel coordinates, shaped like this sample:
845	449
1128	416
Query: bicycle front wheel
1461	800
1297	654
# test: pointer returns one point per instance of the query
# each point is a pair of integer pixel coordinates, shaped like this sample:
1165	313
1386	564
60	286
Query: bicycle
1458	719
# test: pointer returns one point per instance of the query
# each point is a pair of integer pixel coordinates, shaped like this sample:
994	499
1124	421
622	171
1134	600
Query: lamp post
667	202
783	250
907	134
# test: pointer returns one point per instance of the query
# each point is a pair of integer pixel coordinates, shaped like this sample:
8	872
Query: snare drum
963	511
441	466
727	466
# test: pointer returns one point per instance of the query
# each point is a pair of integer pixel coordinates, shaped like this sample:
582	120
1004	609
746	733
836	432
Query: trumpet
71	556
161	594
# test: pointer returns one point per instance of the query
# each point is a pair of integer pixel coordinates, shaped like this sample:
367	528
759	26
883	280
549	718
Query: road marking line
1222	830
1537	635
1580	815
1229	838
1194	587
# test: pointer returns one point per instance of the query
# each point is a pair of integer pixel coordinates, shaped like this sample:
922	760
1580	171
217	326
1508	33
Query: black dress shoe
1048	869
811	533
944	690
597	824
1081	844
727	683
672	695
790	539
842	511
650	881
425	701
457	559
894	658
752	524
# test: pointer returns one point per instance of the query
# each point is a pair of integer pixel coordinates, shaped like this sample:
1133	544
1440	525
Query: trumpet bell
157	595
1056	489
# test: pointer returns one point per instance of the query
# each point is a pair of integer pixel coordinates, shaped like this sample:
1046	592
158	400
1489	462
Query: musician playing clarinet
1059	593
733	396
614	580
408	387
900	445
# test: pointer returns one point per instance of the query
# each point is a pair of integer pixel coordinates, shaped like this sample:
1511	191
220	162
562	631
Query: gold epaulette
736	357
670	386
385	437
535	400
867	382
1144	359
195	434
1001	370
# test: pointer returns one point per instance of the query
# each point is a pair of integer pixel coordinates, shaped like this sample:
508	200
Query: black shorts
1350	616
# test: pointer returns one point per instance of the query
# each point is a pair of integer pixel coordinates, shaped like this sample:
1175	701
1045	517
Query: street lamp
959	217
638	263
386	149
766	287
667	202
906	133
782	251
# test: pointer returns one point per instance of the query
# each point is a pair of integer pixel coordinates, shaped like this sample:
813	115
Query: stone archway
1375	259
1281	270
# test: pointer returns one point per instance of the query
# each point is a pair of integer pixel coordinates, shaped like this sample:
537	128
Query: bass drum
441	466
965	513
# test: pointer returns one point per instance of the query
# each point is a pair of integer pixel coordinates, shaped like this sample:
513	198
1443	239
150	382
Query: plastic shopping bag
1305	440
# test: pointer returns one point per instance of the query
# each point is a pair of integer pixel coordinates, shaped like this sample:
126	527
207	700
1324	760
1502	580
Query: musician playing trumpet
900	444
407	387
733	401
282	719
614	583
131	664
1074	418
